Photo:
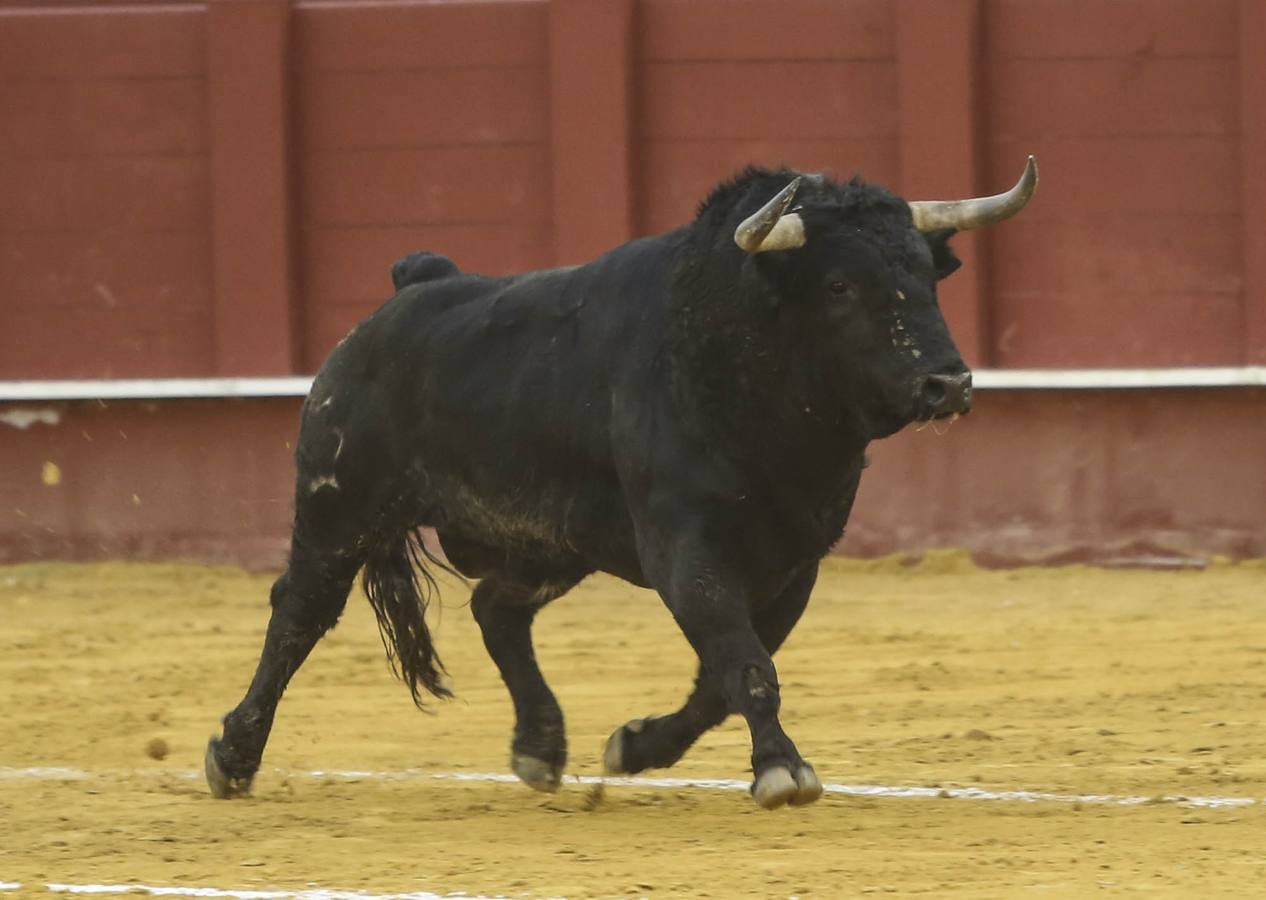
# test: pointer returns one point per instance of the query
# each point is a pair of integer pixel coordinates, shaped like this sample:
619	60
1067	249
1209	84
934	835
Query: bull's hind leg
504	606
660	741
307	601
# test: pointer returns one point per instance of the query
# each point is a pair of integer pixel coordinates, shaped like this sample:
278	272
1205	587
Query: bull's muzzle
938	396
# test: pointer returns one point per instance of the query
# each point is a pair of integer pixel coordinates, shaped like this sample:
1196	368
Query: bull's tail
400	585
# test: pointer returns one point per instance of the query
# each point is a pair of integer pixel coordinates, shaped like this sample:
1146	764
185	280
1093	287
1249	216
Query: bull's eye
841	289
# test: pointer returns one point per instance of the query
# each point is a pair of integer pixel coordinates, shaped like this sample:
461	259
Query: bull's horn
929	215
768	228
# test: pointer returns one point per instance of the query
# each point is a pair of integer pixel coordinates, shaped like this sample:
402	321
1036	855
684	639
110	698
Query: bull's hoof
776	787
536	773
614	758
808	787
223	787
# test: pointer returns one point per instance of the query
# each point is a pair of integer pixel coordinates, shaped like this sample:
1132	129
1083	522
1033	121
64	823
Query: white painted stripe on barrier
726	784
155	388
1116	379
299	385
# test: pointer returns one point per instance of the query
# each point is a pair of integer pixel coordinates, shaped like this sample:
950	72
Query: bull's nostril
934	391
946	394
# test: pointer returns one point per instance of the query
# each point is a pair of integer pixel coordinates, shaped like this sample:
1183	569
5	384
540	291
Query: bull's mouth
935	422
939	423
949	415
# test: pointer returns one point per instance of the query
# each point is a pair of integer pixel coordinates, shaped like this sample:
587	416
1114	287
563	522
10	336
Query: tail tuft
400	586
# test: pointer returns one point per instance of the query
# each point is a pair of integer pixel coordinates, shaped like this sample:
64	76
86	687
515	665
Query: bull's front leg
736	676
751	689
660	741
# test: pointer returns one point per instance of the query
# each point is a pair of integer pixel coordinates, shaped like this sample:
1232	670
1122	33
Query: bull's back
491	397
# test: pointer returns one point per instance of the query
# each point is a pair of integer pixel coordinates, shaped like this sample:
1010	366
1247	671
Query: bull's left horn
929	215
769	228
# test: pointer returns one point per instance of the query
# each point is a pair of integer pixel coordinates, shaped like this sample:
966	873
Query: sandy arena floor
1073	681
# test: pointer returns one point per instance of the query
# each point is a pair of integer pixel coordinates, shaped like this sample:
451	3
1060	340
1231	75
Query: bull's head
865	264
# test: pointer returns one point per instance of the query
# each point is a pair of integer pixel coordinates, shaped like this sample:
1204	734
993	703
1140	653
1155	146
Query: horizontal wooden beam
298	386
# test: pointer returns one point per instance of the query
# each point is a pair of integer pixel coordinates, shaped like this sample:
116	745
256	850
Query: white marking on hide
322	481
343	339
339	448
23	419
901	338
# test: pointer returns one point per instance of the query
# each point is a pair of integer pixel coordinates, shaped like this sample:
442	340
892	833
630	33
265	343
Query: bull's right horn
929	215
770	228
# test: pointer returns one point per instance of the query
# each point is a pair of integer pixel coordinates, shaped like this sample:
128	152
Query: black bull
689	412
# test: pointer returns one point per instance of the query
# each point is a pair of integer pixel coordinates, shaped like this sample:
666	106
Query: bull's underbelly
582	528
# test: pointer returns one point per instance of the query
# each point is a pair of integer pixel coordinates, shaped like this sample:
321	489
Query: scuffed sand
1072	680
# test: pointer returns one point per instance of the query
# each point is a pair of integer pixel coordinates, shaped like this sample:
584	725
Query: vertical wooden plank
247	42
1253	175
591	60
939	50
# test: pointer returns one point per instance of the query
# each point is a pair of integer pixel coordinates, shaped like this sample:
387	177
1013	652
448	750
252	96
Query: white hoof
536	773
222	786
808	788
613	754
774	787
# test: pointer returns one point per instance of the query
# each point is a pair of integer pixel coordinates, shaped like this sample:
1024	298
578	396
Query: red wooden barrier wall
202	188
219	188
1135	256
1028	476
105	195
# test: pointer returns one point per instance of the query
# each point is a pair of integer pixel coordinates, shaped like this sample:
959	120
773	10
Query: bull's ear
943	258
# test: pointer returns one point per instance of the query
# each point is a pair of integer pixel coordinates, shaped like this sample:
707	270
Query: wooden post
939	46
591	77
1253	176
248	108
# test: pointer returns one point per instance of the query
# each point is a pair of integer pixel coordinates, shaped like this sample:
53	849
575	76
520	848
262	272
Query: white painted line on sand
43	773
50	773
237	894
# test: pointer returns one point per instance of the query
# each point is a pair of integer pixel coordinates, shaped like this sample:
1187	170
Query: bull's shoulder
422	266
